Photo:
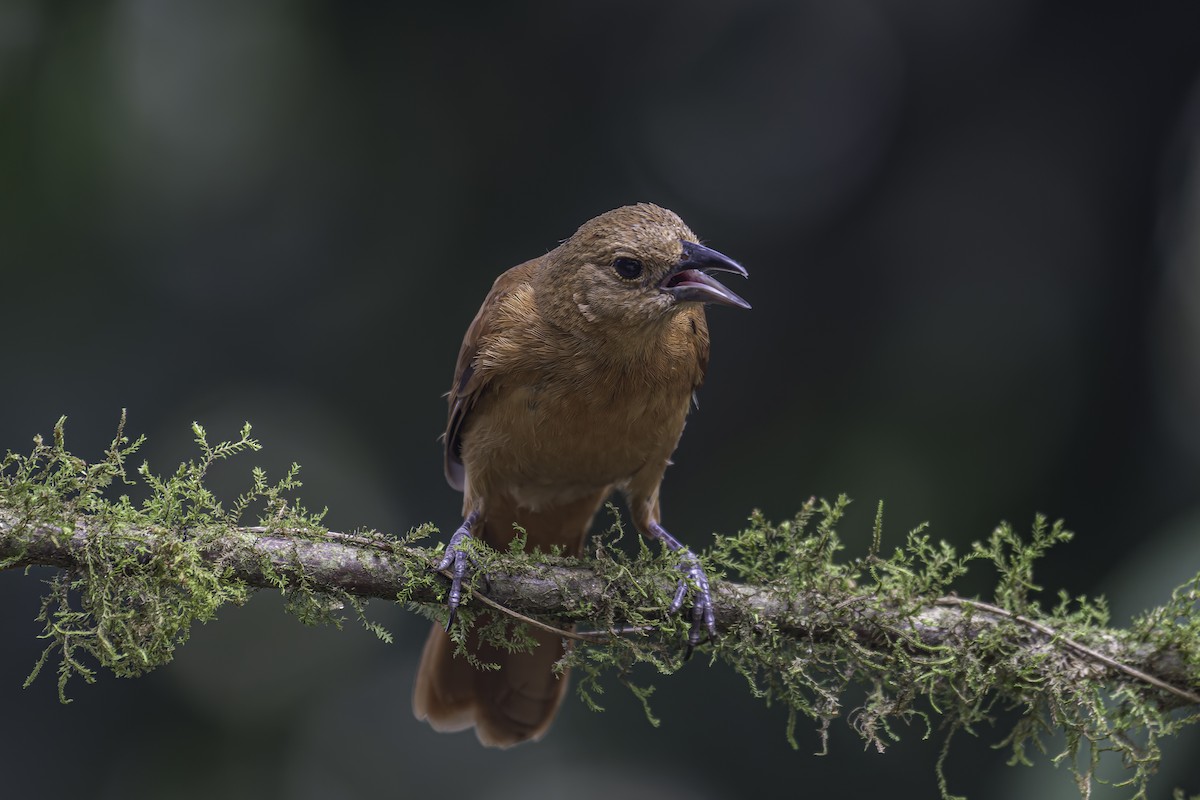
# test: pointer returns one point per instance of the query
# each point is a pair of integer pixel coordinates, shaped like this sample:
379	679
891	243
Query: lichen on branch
803	623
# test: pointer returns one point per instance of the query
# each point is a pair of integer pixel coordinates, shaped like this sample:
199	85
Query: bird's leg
456	555
702	610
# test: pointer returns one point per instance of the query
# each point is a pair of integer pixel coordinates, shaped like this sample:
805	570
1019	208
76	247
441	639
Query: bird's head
630	267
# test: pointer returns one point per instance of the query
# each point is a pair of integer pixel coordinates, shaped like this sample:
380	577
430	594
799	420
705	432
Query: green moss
131	600
870	626
862	619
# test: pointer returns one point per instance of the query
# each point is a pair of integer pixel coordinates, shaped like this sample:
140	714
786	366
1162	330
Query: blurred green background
971	230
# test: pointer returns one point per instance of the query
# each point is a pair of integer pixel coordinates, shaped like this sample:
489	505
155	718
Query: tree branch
808	628
370	567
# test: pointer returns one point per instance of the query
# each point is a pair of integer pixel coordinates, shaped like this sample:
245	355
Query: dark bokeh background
971	230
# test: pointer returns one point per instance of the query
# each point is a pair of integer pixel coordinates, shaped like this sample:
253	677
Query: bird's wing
700	342
468	383
702	358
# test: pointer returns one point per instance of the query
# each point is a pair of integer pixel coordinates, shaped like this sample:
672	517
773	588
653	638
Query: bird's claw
703	615
457	559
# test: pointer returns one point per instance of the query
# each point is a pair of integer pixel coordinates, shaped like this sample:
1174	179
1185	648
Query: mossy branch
803	624
371	566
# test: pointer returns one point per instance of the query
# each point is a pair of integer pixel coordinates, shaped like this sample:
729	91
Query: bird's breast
548	439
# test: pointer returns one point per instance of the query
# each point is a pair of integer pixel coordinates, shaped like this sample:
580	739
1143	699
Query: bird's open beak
689	279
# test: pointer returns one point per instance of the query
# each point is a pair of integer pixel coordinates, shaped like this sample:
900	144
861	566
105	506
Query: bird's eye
628	268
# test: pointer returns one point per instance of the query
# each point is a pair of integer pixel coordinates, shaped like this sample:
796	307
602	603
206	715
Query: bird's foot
457	561
703	616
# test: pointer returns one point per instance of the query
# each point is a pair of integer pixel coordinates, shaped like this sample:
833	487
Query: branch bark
371	568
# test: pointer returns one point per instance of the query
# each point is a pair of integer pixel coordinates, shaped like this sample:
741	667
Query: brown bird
573	381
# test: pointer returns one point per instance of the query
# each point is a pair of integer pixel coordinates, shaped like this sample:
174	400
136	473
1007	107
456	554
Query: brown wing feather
468	384
701	342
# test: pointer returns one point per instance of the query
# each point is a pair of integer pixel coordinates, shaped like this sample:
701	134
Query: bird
573	382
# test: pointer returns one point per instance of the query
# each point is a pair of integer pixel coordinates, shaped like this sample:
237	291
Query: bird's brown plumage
572	382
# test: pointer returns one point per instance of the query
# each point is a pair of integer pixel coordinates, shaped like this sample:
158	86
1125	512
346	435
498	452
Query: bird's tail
518	701
507	706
